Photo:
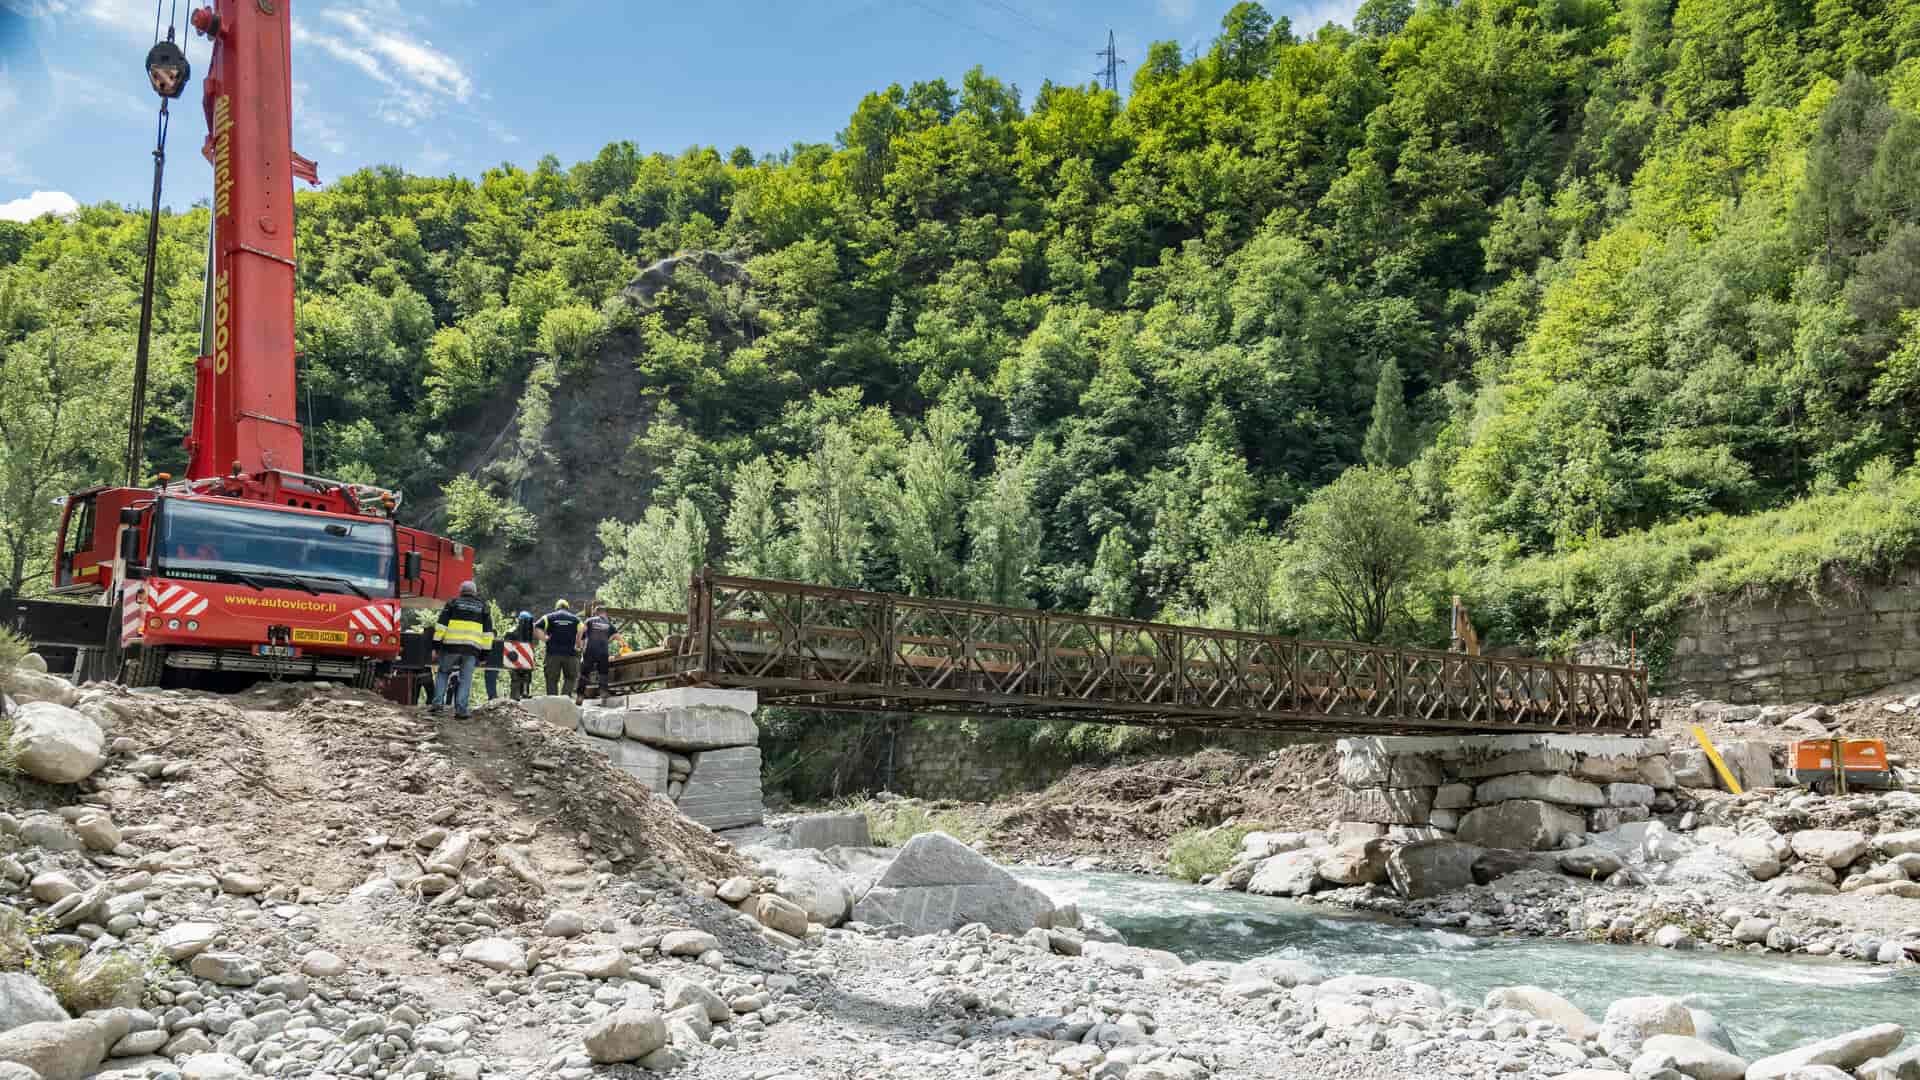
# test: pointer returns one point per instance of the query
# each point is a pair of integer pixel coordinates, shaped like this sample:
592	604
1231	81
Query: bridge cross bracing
846	650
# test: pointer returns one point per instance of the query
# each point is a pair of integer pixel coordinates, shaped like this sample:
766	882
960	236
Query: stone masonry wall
696	747
1525	792
1798	650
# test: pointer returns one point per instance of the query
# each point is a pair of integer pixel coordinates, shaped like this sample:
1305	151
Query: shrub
893	824
1202	852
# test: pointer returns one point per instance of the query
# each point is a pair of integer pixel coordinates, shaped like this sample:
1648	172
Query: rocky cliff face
585	469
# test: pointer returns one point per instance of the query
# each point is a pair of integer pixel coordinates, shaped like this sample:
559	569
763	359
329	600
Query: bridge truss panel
816	647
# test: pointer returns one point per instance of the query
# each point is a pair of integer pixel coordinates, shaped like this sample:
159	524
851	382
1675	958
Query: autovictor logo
279	602
222	156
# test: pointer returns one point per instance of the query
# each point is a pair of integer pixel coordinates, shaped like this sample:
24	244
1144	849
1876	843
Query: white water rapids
1767	1003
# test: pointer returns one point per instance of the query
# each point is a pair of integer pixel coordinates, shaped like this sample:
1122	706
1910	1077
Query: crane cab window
76	537
274	548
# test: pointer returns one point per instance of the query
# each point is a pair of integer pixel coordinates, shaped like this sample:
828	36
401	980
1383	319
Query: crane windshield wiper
246	579
330	580
290	579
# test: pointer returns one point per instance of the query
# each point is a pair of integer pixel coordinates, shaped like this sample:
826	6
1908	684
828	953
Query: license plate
321	637
275	650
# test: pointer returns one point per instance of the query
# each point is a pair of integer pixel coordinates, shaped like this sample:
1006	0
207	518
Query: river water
1767	1003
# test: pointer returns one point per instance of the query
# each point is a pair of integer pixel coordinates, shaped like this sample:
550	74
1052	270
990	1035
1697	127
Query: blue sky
455	86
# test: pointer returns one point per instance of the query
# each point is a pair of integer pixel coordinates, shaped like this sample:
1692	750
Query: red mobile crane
248	564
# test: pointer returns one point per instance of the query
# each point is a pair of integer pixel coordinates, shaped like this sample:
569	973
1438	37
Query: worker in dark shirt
560	629
597	635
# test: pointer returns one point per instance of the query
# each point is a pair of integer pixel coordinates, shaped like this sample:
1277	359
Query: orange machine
1832	766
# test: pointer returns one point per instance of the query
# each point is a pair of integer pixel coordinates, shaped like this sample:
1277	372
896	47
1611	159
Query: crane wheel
146	667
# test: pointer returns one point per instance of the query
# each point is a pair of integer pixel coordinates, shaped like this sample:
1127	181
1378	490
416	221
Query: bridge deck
813	647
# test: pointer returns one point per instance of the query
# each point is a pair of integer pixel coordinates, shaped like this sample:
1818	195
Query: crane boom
244	417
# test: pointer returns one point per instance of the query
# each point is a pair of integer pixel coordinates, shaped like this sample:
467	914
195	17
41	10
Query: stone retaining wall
696	747
1798	650
1528	792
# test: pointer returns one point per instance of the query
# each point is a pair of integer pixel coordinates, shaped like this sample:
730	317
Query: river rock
1689	1057
1431	867
1131	958
1592	863
23	1000
227	969
1497	863
500	954
1523	824
215	1067
1564	790
54	743
1836	848
1362	862
1545	1004
1289	874
779	913
625	1035
1632	1021
682	993
184	941
1265	845
57	1049
938	883
1841	1052
323	965
1904	1065
688	943
1894	844
1756	854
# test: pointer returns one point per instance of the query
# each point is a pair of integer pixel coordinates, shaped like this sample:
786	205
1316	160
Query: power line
1037	24
934	11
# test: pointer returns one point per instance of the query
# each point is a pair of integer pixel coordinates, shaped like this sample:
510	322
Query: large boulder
1368	763
1750	761
938	883
1836	848
24	1001
1688	1056
56	1049
1632	1021
1756	854
1291	873
1895	844
822	831
25	685
556	709
1544	1004
1496	863
1843	1052
1431	867
54	743
1521	824
1904	1065
812	883
1363	862
1691	769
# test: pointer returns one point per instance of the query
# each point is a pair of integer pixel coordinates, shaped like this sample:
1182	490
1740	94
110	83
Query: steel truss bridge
814	647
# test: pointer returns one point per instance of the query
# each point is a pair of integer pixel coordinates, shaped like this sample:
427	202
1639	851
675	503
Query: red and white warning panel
518	654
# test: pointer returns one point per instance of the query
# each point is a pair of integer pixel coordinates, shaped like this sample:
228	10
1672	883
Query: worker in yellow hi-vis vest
461	636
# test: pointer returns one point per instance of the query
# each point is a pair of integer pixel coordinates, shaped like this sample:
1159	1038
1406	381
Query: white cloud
420	80
38	203
418	61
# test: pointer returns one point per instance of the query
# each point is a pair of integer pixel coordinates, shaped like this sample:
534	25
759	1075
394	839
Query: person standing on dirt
520	685
560	629
461	636
597	634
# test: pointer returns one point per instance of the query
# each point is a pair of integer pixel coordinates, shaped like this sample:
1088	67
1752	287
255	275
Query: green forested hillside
1544	275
